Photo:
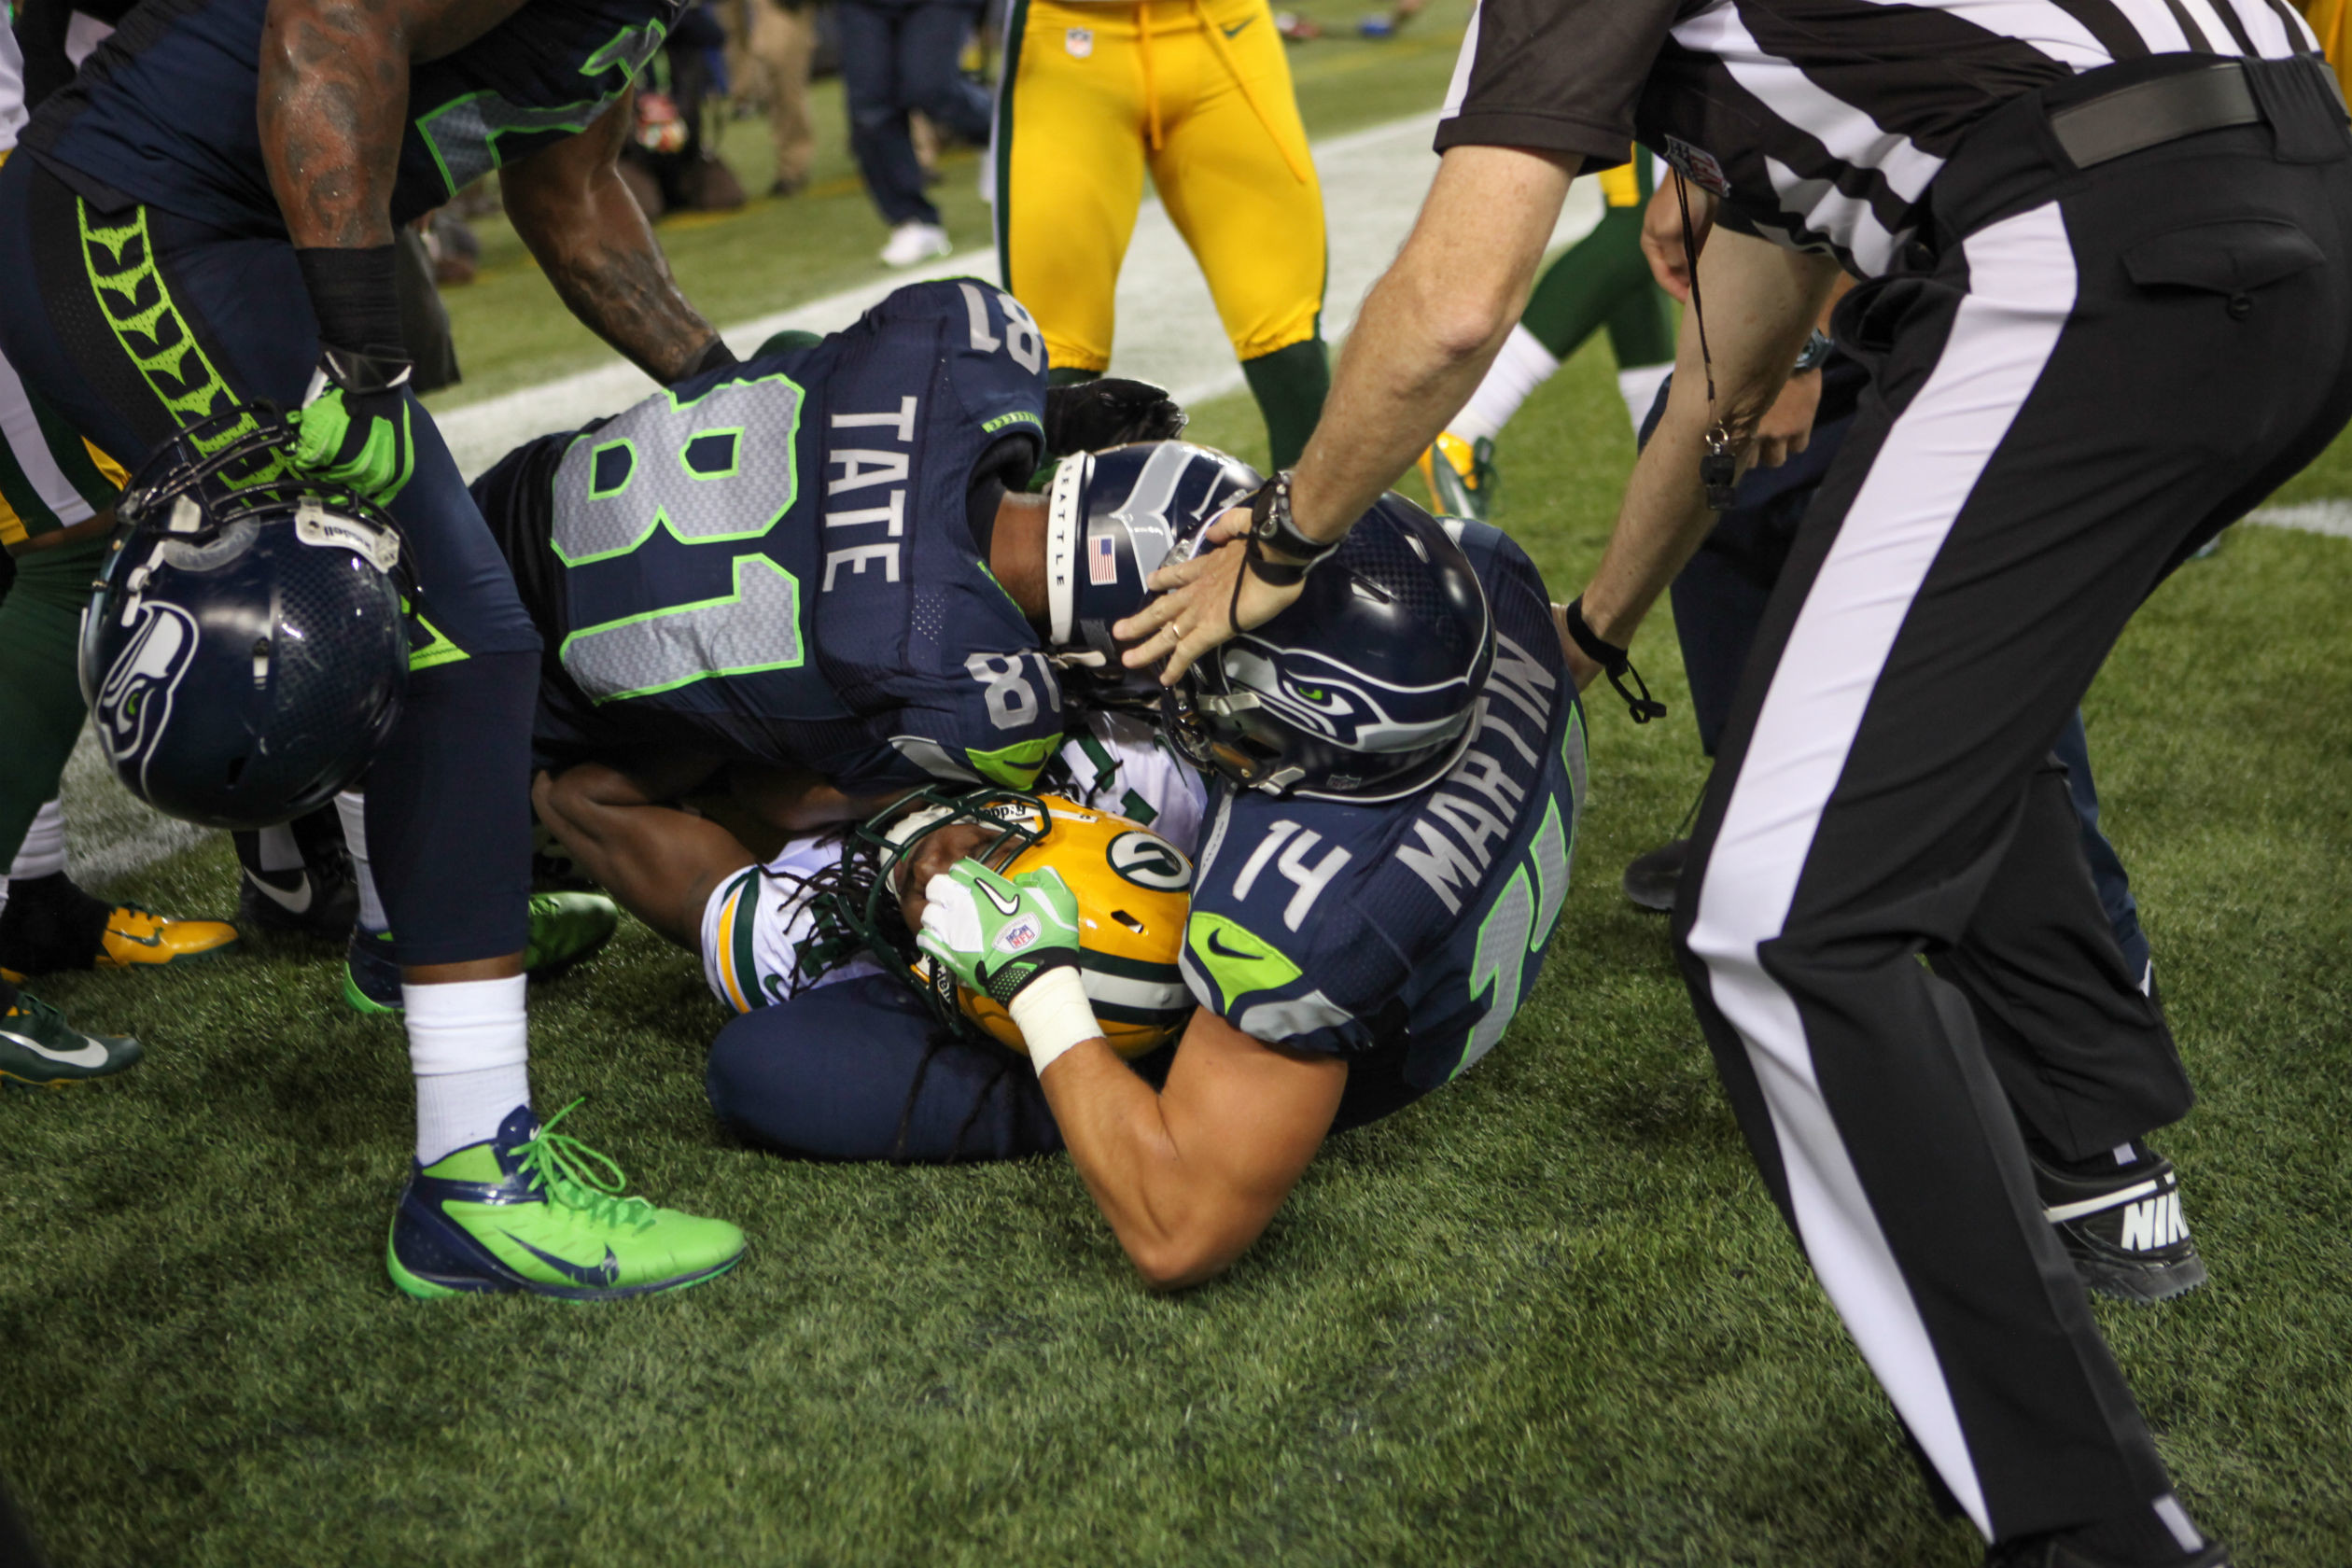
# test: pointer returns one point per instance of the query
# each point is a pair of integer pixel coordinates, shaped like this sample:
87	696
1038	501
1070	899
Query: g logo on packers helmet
1149	860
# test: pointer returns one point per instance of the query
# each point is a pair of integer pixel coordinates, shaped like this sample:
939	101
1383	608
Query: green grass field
1546	1316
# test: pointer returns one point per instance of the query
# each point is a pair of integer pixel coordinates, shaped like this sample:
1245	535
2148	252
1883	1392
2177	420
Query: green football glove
995	934
353	429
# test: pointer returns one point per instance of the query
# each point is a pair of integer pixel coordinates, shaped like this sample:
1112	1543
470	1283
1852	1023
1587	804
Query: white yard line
1373	182
2311	517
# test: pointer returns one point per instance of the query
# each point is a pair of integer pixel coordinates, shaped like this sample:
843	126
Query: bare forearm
1760	303
1430	327
608	268
333	104
660	863
1117	1133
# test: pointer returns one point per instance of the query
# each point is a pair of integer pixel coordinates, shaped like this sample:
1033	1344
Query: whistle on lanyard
1719	469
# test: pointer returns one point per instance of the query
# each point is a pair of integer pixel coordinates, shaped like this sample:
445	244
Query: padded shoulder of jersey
1284	941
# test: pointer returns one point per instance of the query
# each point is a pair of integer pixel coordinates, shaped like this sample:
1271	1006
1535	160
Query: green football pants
41	709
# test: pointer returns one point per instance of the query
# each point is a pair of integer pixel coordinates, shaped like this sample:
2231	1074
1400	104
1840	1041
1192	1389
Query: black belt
2149	114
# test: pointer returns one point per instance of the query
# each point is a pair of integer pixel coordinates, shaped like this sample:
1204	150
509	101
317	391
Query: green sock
1590	283
41	710
1290	385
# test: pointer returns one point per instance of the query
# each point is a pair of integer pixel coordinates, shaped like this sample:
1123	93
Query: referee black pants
2097	371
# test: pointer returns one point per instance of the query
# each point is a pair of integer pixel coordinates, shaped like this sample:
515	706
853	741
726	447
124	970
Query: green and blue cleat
565	928
38	1046
536	1209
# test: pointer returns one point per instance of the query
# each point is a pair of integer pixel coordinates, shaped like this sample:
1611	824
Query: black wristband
1271	527
355	297
716	355
1608	655
1274	574
1615	663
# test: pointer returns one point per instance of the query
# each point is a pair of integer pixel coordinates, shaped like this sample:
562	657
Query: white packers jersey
754	925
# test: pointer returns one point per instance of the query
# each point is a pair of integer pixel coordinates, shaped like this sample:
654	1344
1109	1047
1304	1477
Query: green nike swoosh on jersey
1236	957
1235	30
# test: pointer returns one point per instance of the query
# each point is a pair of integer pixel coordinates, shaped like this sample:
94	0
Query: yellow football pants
1199	92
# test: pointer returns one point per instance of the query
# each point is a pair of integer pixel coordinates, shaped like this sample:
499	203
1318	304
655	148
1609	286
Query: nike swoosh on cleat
1225	952
604	1273
294	900
93	1054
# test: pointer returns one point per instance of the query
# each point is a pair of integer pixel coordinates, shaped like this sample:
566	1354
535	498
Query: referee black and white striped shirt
1822	122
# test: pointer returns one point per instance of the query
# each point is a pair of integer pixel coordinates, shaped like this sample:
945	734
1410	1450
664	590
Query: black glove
1089	416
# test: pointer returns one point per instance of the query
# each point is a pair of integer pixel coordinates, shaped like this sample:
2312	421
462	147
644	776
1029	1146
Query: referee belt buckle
2151	113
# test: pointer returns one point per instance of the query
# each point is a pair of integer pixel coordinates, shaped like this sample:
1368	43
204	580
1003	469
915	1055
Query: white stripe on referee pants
2020	287
30	446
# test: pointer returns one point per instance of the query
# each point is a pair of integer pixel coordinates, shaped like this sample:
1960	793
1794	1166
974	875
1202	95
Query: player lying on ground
1386	851
821	559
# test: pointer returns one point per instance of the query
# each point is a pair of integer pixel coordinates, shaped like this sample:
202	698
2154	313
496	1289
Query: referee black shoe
2123	1227
1650	879
2051	1551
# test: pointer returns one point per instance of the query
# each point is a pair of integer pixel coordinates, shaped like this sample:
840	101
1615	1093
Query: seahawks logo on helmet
1344	706
134	705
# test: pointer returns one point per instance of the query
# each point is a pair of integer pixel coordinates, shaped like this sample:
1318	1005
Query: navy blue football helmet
1114	517
244	652
1366	688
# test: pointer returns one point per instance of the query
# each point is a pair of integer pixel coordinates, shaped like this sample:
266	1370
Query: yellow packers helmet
1133	890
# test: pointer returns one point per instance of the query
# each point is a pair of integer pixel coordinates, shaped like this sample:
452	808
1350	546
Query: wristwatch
1815	351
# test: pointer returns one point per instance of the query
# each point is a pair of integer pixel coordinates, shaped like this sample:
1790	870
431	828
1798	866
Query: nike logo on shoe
93	1054
598	1274
294	900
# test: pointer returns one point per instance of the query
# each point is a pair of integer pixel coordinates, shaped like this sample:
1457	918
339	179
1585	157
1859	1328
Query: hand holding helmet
999	933
1014	940
1204	599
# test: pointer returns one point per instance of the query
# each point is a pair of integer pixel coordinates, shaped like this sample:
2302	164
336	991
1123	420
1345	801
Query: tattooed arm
570	206
334	101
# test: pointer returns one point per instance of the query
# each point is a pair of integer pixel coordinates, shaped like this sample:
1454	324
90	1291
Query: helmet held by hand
244	653
1366	689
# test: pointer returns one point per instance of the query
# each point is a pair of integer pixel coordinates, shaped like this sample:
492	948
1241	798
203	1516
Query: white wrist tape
1052	1014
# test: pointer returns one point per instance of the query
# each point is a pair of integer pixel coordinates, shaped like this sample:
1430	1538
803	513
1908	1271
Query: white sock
470	1050
43	851
1639	387
1523	365
352	807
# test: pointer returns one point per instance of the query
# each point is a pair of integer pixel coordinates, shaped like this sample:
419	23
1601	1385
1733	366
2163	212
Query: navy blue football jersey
165	110
1416	926
774	561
